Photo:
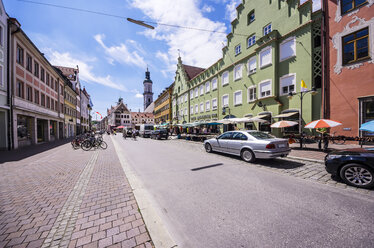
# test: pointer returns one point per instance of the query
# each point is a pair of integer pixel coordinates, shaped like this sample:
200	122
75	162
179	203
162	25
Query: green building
274	44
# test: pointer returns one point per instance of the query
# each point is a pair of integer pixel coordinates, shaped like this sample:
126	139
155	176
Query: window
20	89
252	64
36	69
349	5
196	92
225	78
252	94
238	97
196	109
267	29
201	107
28	63
42	100
250	17
214	103
29	93
356	46
185	111
265	57
238	49
19	55
251	41
287	84
191	110
288	48
56	86
1	35
1	76
214	83
238	72
201	90
185	97
191	94
265	89
225	100
207	105
36	97
207	86
42	74
47	78
48	102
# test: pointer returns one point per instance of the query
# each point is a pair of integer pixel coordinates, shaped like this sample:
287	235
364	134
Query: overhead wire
122	17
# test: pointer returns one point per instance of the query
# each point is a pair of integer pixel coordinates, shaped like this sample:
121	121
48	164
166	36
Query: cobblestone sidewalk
69	198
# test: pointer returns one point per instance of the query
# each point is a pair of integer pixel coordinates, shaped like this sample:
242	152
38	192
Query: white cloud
207	8
231	13
85	70
121	53
138	95
197	48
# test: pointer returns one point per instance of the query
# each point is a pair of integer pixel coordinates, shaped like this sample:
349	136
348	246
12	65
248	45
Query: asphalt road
214	200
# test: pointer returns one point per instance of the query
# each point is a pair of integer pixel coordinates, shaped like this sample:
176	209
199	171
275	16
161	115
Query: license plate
282	145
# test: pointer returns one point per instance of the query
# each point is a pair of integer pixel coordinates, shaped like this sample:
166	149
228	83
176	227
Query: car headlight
333	156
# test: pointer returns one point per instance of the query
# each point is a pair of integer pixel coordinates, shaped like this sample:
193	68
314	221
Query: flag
303	86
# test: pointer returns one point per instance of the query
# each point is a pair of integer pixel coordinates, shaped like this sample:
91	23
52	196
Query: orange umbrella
281	124
323	123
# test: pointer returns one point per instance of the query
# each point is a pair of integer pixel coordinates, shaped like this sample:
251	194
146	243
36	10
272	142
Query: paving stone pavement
69	198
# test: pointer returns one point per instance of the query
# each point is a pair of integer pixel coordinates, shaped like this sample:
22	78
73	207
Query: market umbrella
368	126
281	124
321	123
121	127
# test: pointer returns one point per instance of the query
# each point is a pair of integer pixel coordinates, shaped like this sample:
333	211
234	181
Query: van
145	130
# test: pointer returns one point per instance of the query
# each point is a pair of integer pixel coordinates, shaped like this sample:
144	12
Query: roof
141	115
192	71
150	108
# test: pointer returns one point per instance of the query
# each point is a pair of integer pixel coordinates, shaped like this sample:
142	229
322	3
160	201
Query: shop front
24	130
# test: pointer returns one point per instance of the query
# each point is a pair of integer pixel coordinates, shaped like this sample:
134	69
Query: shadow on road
206	167
25	152
273	163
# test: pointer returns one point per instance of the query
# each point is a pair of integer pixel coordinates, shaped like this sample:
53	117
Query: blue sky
113	54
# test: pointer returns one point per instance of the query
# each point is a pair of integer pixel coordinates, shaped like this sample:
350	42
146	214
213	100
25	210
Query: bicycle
90	142
337	139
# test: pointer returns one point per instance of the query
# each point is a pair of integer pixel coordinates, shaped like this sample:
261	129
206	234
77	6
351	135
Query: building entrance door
40	131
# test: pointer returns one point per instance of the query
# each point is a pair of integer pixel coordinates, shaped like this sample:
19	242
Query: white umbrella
281	124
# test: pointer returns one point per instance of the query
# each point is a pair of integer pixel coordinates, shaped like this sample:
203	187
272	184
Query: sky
113	54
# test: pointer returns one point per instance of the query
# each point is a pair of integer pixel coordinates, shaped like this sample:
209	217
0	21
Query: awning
285	115
260	116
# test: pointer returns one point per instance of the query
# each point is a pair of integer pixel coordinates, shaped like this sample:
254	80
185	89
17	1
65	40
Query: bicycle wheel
339	140
75	145
86	145
103	145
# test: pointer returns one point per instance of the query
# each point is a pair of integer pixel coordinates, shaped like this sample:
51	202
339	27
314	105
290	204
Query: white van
145	130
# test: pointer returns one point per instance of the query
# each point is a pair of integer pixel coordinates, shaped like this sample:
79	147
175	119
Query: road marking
60	234
157	230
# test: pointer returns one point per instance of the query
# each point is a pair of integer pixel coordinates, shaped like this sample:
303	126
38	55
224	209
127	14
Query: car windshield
261	135
148	127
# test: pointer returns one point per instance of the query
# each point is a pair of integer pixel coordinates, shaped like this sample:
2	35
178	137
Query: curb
307	159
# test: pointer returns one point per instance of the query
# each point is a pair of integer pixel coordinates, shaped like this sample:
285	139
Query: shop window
367	112
265	127
356	46
23	127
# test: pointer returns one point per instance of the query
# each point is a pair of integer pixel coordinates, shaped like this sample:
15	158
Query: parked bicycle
337	139
93	142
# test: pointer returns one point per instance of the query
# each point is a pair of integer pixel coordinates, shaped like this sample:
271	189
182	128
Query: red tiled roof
192	71
141	115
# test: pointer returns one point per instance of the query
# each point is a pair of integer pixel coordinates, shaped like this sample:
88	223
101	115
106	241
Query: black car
354	166
159	134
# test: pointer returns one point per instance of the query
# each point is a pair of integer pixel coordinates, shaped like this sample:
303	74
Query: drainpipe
11	21
325	61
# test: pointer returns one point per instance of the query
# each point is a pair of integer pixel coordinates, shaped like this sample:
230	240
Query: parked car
249	145
128	131
145	130
159	134
354	166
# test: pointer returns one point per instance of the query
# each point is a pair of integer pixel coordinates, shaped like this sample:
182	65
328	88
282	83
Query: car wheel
247	155
357	175
208	148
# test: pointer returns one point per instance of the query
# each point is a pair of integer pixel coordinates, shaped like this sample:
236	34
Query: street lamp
301	94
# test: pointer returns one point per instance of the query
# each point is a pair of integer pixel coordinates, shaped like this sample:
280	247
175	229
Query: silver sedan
249	145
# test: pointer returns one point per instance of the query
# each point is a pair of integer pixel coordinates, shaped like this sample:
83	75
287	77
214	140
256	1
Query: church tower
148	94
